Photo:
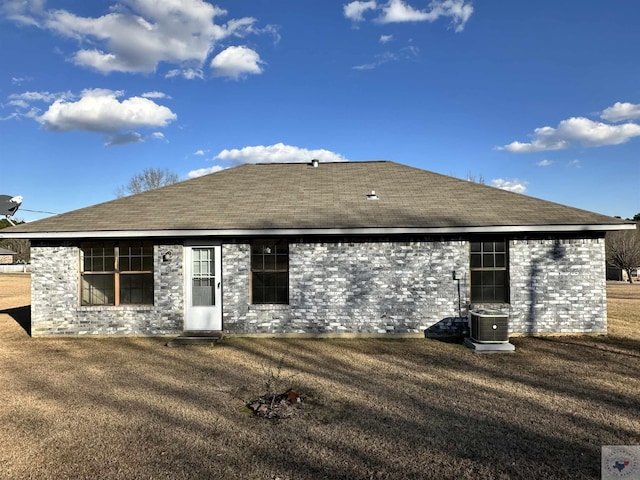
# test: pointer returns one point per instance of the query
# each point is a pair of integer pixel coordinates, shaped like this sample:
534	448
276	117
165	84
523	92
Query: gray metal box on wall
489	326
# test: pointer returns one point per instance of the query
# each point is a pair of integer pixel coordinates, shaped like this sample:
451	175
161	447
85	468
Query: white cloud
386	38
96	110
22	11
514	185
576	131
18	80
574	164
11	116
544	163
155	95
278	153
404	53
100	111
354	11
199	152
621	111
410	51
31	97
399	11
204	171
236	63
137	35
191	73
25	102
379	60
187	73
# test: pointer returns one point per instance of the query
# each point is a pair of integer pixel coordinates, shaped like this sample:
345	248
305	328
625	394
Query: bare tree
471	177
148	179
623	249
19	246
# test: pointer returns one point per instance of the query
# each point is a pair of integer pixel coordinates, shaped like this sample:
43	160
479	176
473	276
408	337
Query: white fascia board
291	232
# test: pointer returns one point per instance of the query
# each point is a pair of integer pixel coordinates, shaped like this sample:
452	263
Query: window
270	271
489	281
116	273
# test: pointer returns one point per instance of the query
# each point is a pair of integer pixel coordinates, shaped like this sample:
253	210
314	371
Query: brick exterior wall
54	288
236	275
359	286
351	287
55	306
558	286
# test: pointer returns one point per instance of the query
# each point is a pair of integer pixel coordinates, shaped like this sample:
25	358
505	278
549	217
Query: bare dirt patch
374	408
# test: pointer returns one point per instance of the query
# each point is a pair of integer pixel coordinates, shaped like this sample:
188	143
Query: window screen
270	271
489	282
116	273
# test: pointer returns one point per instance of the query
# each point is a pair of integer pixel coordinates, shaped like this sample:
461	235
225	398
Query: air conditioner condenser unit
489	326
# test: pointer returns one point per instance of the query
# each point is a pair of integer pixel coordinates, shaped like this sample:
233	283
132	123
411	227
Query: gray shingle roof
332	196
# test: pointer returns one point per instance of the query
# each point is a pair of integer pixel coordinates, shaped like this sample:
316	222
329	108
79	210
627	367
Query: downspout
457	279
465	330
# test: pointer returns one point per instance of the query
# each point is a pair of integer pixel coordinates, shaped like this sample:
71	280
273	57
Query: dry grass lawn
376	408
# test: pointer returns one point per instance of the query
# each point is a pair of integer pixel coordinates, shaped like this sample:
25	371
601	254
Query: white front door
203	277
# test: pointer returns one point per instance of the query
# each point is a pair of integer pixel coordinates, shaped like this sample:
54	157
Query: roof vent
315	162
372	195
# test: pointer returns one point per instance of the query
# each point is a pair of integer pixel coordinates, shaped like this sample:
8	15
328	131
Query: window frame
485	263
114	254
272	268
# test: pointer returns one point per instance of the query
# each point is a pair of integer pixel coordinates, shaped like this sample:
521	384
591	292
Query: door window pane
203	280
203	292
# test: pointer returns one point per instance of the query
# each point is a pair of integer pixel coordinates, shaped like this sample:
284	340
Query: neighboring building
354	247
620	275
6	256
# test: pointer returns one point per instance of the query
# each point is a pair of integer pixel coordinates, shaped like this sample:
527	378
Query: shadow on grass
466	428
604	343
21	315
632	345
380	408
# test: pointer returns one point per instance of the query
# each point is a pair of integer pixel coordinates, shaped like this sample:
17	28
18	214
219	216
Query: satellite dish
9	206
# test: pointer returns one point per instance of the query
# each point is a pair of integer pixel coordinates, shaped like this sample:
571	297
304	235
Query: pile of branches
280	405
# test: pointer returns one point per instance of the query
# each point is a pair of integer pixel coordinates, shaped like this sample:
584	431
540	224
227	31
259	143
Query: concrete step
489	347
200	337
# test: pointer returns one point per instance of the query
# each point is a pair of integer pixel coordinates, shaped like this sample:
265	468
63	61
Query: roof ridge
322	162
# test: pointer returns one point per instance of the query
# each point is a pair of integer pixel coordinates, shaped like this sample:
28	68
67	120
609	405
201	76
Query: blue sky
541	98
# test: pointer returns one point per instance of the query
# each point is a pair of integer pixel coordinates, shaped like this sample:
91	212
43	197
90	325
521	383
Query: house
352	247
616	273
6	256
